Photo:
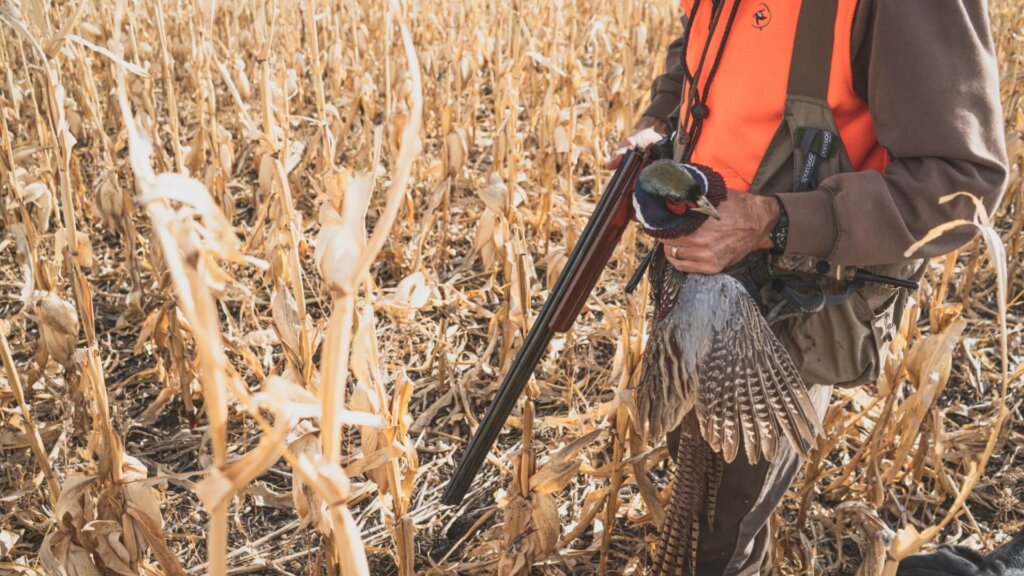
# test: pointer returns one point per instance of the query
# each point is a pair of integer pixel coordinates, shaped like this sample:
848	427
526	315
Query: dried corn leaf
412	293
58	328
553	477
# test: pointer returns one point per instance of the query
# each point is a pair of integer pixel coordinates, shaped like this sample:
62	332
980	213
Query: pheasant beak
705	207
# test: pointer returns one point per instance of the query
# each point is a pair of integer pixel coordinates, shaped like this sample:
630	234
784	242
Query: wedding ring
675	252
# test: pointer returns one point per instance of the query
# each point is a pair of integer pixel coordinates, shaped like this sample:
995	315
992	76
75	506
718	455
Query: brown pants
747	497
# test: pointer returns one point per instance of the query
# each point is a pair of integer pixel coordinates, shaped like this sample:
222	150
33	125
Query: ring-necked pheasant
711	365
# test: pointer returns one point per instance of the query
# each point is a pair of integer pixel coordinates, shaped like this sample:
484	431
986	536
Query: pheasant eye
678	208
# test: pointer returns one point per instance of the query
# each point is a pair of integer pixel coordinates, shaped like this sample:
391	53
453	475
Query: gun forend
582	269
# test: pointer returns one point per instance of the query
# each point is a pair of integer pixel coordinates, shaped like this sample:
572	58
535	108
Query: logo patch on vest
762	17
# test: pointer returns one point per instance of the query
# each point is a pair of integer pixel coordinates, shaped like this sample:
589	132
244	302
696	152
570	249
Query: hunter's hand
744	224
648	130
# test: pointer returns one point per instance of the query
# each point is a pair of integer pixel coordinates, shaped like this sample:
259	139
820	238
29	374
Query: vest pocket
835	346
782	162
843	344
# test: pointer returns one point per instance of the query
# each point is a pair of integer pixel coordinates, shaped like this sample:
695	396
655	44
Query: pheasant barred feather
711	351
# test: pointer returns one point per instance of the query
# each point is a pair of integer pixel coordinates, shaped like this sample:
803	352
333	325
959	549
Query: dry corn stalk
194	267
909	540
107	523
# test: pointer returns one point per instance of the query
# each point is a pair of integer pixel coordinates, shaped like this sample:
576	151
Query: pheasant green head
672	199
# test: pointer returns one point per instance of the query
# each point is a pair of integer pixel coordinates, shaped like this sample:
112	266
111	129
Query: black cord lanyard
695	108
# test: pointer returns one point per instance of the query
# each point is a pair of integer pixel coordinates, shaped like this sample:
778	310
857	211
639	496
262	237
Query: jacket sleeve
933	90
667	89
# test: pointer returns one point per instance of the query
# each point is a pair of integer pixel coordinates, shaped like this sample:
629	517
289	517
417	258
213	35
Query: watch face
778	242
780	235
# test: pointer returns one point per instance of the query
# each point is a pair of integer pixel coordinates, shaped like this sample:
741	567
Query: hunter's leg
747	496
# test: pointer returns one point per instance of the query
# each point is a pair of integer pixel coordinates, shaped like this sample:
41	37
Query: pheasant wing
751	385
712	350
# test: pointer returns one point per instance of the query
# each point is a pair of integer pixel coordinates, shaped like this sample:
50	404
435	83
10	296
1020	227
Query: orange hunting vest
781	115
748	94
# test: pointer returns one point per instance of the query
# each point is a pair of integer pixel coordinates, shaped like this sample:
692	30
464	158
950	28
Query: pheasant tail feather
679	536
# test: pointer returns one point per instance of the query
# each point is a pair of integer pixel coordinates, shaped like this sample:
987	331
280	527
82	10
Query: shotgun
588	258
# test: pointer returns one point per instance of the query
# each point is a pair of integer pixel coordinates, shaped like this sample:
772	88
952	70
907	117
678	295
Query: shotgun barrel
582	269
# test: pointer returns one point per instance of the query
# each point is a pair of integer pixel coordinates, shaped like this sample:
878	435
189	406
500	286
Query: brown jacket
928	72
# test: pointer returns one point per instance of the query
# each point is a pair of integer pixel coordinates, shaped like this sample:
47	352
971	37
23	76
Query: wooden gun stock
582	269
598	250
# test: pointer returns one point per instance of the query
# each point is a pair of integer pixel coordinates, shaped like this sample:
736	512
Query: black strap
811	63
809	72
810	298
815	145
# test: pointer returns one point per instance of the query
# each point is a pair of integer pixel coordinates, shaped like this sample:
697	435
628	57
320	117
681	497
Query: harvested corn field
264	263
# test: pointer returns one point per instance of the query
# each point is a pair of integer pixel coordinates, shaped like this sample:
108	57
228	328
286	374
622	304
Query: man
908	89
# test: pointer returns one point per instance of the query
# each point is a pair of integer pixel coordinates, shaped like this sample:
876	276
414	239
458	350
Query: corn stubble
264	263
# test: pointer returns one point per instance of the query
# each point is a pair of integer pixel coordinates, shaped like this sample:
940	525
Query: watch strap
779	234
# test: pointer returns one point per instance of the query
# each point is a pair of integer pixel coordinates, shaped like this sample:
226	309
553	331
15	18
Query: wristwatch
780	233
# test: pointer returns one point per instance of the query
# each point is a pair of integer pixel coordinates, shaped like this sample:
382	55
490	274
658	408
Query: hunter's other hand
648	130
744	224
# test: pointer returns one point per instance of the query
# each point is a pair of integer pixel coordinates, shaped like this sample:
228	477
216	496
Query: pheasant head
673	199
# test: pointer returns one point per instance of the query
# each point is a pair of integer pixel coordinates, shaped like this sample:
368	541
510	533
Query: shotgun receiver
582	269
